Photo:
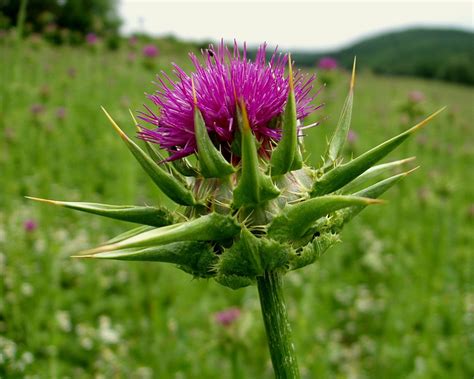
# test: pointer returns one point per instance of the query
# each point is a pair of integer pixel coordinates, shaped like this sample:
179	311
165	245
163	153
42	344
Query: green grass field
395	299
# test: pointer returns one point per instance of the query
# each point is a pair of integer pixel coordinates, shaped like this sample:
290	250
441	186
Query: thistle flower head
228	316
150	51
92	39
328	63
221	81
30	225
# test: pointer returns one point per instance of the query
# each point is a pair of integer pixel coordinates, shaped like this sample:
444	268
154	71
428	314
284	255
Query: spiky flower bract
221	80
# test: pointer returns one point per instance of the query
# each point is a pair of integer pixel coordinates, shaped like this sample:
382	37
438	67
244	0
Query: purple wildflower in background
352	137
150	51
36	109
224	77
60	113
92	39
227	316
131	57
328	63
416	96
133	40
30	225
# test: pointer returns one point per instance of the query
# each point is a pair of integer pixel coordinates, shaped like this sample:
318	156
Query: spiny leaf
212	163
211	227
254	187
295	220
313	250
129	233
250	256
141	215
170	186
343	174
339	137
284	153
156	155
194	257
373	192
242	258
184	167
372	173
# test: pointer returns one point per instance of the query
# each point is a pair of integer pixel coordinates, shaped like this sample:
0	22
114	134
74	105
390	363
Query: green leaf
284	153
184	167
274	255
343	174
141	215
211	227
339	137
295	220
254	187
242	258
373	172
194	257
156	155
234	281
298	159
251	256
129	233
313	250
212	163
170	186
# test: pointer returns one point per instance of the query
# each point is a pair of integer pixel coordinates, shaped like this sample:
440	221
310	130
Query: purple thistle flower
328	63
150	51
92	39
352	137
133	40
37	109
131	57
61	113
30	225
227	316
416	96
220	81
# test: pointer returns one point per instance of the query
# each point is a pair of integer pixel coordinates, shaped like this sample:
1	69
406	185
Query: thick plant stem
280	343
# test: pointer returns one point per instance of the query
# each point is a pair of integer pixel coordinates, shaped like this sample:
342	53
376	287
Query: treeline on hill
430	53
63	21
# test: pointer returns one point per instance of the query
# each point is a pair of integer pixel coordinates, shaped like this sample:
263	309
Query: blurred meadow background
395	299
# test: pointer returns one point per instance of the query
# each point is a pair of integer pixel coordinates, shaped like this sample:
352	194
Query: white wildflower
107	334
27	289
64	321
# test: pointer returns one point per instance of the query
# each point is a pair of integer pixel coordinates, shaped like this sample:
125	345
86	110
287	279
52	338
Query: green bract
262	214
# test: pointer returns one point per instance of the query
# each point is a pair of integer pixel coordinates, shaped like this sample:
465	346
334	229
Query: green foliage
174	188
194	257
81	16
343	174
339	137
153	216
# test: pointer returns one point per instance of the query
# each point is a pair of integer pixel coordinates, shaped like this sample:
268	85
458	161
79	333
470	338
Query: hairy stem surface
278	328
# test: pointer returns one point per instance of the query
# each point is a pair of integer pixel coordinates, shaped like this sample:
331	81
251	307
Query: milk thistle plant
251	210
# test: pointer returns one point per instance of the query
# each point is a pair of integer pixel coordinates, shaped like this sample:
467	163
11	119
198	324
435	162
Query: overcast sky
306	24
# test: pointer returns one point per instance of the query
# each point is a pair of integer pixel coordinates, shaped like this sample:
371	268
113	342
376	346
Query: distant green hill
430	53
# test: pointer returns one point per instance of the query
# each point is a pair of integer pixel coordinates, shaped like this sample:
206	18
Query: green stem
280	343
